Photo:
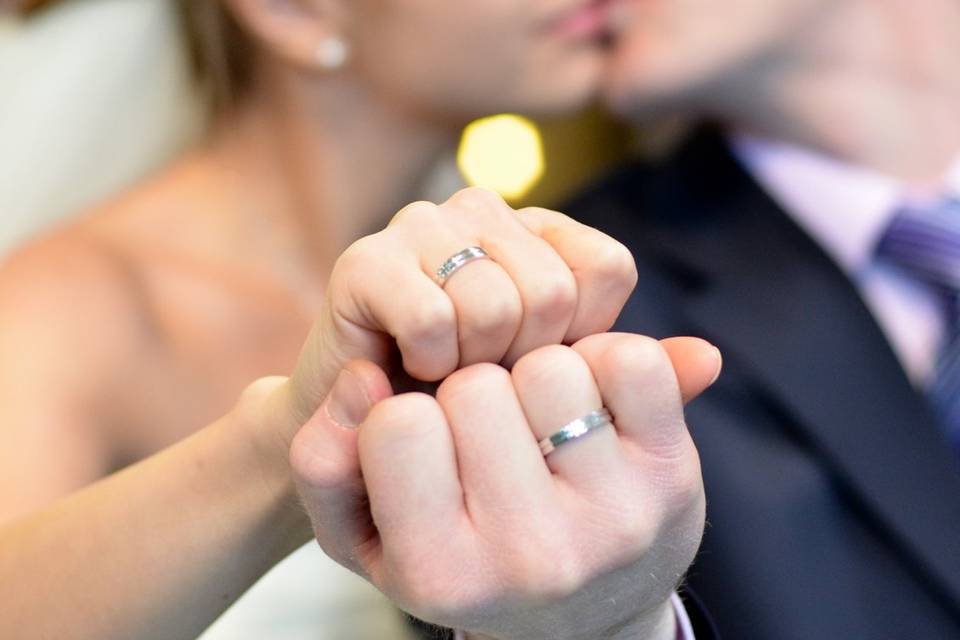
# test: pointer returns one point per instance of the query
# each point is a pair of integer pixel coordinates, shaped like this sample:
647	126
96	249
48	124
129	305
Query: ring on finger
458	260
576	429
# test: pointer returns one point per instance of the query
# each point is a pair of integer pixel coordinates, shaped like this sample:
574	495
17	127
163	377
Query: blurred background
83	69
97	95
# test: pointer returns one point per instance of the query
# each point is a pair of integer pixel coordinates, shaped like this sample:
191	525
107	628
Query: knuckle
478	197
613	263
409	416
498	316
539	211
478	200
415	214
555	300
429	321
540	366
472	380
639	354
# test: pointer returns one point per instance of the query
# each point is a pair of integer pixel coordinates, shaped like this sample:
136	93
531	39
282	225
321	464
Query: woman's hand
570	281
549	280
461	520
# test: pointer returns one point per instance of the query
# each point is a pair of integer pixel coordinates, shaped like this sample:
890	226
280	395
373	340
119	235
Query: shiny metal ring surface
455	262
576	429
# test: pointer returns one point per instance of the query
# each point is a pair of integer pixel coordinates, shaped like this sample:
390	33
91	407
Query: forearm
157	550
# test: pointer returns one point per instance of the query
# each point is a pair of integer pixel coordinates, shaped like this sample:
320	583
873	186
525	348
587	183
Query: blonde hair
221	53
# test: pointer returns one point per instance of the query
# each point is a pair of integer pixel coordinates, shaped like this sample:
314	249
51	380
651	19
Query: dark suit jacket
833	500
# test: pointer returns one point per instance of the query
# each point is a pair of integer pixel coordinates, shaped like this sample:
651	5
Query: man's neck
875	82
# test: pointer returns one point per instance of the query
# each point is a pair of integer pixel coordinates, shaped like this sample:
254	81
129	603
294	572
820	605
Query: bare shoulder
75	306
87	363
181	209
143	299
85	278
70	323
66	301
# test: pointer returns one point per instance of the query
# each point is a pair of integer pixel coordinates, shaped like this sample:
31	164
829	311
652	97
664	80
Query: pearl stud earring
332	53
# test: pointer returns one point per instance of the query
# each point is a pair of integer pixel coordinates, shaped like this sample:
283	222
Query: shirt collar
842	206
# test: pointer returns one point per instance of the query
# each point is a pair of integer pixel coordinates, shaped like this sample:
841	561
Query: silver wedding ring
458	260
576	429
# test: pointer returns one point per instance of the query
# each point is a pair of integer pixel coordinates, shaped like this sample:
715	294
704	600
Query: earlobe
303	32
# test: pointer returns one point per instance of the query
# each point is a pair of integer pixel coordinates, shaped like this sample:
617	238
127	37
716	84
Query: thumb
696	362
326	466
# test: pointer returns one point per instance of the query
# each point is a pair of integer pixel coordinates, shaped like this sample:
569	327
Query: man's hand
461	520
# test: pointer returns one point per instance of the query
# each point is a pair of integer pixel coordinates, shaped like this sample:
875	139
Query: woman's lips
589	20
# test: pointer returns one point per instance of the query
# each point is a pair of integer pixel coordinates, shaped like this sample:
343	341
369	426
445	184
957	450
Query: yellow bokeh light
503	153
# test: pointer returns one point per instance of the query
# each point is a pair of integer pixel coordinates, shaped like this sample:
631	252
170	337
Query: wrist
262	418
658	623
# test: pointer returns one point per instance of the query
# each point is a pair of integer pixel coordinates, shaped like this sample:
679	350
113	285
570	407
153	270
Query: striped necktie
925	243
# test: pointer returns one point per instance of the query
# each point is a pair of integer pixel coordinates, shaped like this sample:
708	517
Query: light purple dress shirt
846	209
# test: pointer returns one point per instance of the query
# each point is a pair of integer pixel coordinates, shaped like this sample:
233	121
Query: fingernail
348	403
716	376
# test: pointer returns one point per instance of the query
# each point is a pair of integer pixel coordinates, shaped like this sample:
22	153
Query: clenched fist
461	520
548	280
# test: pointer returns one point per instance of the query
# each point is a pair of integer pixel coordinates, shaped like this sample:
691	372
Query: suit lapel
767	295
